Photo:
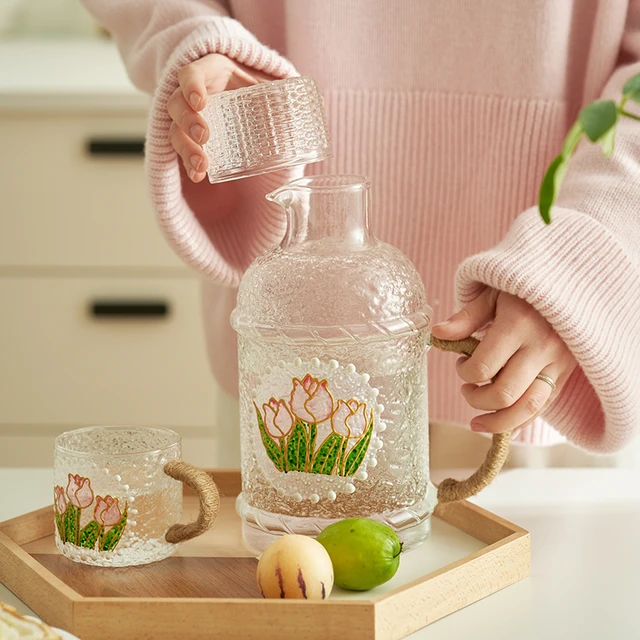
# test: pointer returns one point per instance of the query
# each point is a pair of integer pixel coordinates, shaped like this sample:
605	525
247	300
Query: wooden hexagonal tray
208	590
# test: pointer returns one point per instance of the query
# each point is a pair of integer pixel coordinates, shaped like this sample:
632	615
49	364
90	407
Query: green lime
364	553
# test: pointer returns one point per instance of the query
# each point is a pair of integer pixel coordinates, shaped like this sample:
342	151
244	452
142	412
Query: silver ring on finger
547	379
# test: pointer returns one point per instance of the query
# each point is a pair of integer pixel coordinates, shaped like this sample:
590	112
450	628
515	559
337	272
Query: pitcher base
261	528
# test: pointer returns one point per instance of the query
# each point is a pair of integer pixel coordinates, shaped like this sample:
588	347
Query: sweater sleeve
582	273
216	229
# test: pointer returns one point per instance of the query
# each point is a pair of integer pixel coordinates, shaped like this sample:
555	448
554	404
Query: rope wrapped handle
201	482
451	490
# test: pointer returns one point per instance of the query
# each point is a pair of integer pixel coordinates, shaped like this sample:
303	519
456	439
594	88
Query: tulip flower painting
277	418
79	491
107	511
59	507
350	418
60	499
103	531
312	433
311	400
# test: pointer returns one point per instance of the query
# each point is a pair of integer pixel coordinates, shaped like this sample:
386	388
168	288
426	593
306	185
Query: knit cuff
579	277
244	223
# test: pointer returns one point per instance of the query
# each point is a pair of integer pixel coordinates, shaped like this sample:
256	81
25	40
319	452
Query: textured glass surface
338	306
105	472
265	127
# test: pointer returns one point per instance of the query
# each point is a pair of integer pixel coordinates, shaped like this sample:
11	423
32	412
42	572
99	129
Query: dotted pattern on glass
113	503
397	475
265	127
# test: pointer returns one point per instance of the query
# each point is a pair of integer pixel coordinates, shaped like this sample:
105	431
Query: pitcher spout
282	196
326	207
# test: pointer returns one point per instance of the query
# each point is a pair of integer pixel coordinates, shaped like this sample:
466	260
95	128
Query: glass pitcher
333	332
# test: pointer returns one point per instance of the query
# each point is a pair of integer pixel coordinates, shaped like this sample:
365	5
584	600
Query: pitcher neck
326	207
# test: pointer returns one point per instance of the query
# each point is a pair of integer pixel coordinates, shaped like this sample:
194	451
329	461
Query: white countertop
78	74
585	574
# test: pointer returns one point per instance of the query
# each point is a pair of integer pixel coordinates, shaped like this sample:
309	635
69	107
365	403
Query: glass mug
118	495
265	127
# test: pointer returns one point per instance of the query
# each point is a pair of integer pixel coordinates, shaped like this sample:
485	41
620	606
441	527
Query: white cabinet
77	229
63	364
74	193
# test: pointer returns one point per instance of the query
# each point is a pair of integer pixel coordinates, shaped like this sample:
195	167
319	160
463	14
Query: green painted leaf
356	455
326	456
631	88
297	448
110	539
71	520
312	430
341	457
598	118
282	448
89	535
60	527
273	450
550	187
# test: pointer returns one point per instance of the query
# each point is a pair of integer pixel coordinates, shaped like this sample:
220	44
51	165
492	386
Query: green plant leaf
297	448
110	539
326	456
273	450
631	89
607	141
356	455
598	121
550	187
635	96
89	535
572	139
598	117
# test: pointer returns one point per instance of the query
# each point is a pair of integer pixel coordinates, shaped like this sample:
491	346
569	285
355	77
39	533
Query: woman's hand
211	74
519	345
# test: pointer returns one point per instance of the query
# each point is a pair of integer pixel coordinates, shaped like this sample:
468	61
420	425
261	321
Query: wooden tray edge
36	586
453	587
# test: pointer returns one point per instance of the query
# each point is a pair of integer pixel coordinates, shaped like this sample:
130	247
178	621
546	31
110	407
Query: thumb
470	318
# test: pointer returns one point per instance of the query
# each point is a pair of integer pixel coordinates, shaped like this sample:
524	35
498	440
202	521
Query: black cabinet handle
115	147
130	309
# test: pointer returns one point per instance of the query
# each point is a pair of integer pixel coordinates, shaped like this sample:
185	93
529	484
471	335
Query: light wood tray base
207	590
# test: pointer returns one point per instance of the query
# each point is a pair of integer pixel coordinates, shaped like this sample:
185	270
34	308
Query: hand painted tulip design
349	419
60	500
311	400
103	532
277	417
107	512
312	434
79	491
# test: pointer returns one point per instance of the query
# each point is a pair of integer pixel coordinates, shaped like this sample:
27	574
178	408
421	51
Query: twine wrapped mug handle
209	497
451	490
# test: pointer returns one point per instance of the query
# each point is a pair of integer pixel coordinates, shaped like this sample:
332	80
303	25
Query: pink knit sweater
453	109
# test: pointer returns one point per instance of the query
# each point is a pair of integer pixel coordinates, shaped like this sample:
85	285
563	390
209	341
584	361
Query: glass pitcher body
333	332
